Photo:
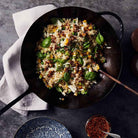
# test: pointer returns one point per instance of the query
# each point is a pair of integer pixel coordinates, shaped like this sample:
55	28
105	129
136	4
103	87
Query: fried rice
69	55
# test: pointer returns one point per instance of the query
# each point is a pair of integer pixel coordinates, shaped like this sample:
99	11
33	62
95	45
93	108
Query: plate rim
39	118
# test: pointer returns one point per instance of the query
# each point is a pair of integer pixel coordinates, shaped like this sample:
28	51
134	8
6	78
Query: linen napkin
13	82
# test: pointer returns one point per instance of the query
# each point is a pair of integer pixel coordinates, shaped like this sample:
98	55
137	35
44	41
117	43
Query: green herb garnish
59	66
67	53
61	20
84	92
95	49
59	89
66	76
80	60
90	76
62	39
63	28
86	45
46	42
99	39
41	55
61	60
75	33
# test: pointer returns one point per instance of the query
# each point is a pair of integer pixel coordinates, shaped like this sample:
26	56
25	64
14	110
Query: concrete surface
120	106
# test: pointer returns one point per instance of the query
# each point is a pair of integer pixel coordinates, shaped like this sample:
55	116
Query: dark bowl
112	66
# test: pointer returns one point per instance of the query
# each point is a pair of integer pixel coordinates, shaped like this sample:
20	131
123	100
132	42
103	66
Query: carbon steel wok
112	66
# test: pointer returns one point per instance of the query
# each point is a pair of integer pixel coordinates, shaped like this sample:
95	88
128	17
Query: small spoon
112	134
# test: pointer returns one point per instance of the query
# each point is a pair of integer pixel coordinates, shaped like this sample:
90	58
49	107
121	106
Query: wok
95	93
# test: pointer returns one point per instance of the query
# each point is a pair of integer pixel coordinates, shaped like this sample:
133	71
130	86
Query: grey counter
120	106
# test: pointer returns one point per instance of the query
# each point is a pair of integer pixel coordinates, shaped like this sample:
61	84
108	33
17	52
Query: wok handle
4	109
118	18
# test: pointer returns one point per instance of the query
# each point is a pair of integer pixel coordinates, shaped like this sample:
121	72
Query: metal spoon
112	134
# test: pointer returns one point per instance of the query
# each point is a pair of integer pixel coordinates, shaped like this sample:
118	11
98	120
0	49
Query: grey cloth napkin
13	82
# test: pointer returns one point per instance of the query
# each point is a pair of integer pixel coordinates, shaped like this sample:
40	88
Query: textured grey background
120	106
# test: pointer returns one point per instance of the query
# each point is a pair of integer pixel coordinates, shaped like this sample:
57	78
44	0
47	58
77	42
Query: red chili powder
95	125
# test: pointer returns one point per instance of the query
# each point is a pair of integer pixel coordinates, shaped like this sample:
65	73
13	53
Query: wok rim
119	46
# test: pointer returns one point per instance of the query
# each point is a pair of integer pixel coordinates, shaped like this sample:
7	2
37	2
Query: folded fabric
13	82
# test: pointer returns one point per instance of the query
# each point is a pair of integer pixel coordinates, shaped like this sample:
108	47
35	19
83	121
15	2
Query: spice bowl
95	125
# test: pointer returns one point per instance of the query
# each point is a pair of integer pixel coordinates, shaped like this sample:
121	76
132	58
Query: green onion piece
48	56
72	49
90	76
79	83
89	50
86	45
75	33
44	55
54	60
62	39
61	60
59	66
62	50
59	89
63	28
67	53
66	76
42	51
94	27
40	55
95	49
84	92
80	60
61	20
59	80
71	69
99	39
40	76
46	42
69	91
79	92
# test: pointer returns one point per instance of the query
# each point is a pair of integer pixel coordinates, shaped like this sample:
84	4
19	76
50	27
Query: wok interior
112	66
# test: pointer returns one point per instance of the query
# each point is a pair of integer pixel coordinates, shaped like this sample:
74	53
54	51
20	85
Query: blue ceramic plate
43	127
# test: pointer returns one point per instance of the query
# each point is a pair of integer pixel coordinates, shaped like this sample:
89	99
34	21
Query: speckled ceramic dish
43	127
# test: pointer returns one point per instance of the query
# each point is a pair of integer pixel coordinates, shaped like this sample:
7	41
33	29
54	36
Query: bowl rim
38	117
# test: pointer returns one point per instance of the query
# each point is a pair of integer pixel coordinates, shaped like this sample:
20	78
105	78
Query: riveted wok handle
4	109
118	18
